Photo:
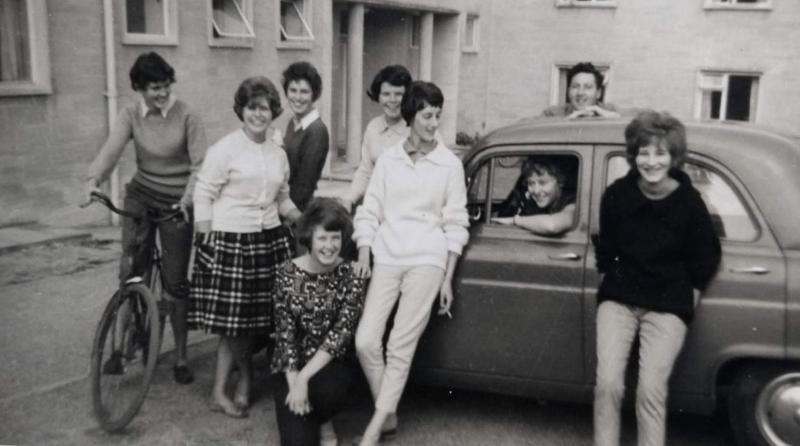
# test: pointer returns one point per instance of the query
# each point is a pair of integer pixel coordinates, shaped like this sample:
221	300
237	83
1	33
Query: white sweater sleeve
370	214
455	219
212	176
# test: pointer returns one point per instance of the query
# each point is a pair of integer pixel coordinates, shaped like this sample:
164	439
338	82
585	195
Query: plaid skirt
233	281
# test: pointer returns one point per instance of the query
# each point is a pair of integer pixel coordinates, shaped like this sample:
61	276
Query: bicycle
129	332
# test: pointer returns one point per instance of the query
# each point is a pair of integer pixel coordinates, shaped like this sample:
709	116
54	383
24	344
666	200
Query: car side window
524	185
730	214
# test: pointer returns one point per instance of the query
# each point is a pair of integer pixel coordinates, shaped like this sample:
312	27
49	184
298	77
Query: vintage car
524	314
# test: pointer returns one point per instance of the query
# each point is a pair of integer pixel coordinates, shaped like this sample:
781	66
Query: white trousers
417	288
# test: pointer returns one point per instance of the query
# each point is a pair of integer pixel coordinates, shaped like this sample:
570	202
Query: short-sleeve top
314	311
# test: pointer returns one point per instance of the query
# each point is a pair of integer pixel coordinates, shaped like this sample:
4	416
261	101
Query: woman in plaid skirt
241	194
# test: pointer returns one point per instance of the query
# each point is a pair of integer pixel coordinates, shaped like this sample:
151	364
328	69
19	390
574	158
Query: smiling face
583	91
256	117
544	189
390	98
156	94
325	248
426	122
300	97
653	163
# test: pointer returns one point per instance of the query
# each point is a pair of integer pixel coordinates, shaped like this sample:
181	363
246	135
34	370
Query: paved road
52	296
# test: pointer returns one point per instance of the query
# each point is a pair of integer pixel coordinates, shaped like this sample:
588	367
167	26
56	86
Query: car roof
767	161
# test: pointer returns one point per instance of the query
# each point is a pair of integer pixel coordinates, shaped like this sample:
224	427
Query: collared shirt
243	186
306	121
144	109
414	212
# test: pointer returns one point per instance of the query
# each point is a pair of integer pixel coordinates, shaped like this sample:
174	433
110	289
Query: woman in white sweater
241	194
414	222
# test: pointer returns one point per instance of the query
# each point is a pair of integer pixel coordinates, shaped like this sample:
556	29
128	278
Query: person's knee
367	344
609	387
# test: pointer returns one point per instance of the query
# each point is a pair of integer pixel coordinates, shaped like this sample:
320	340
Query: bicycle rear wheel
124	356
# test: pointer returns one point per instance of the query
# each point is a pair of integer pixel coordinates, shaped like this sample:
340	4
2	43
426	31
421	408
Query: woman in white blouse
241	194
414	221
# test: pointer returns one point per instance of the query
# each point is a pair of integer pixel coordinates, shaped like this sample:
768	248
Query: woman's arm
196	145
363	173
446	290
286	207
297	398
548	224
212	177
108	156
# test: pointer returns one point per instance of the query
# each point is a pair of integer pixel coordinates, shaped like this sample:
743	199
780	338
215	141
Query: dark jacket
653	252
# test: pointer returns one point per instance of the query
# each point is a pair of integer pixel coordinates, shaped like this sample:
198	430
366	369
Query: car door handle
565	256
749	270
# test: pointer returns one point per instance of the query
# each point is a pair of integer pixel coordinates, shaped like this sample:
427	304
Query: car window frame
576	234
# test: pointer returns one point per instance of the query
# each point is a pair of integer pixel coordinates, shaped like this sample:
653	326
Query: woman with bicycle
242	192
170	142
318	301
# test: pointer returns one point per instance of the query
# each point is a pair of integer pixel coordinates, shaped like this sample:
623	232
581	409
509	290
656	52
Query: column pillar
426	47
355	81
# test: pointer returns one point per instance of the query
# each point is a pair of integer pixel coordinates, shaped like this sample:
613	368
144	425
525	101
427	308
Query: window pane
291	19
739	89
145	16
470	39
15	60
415	30
729	214
228	18
711	104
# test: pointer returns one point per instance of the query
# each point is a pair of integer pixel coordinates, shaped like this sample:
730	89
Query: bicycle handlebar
106	201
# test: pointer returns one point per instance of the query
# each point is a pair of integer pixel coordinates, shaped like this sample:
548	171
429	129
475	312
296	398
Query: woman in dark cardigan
656	252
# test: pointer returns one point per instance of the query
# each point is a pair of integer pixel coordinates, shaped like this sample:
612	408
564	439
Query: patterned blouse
314	311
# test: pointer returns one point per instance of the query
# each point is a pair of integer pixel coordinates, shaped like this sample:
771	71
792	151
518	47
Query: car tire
764	405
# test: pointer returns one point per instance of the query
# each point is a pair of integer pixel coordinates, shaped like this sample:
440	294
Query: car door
519	301
742	312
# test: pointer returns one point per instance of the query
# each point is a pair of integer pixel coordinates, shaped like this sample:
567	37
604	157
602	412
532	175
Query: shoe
182	374
387	435
113	365
233	412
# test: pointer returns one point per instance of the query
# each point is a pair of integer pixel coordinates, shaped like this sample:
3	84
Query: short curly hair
326	213
417	96
257	87
588	67
661	128
542	166
303	71
396	75
150	68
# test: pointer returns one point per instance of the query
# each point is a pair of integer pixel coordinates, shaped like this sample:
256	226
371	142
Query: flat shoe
233	412
182	374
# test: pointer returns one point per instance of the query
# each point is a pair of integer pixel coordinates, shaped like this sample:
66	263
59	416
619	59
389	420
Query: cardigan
314	311
306	147
243	186
414	212
654	252
169	149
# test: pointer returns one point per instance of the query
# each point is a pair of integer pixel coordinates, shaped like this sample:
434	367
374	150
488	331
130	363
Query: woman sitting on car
585	91
539	203
656	252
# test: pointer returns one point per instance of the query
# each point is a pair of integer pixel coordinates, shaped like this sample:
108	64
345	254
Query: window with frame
415	31
500	187
727	96
470	43
729	213
24	51
559	90
231	23
150	22
587	3
738	4
295	21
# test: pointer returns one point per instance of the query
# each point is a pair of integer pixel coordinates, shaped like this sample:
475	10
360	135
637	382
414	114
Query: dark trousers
327	392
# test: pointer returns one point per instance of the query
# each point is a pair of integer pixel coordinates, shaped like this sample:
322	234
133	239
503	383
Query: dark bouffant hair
396	75
587	67
150	68
327	213
303	71
418	95
660	128
542	166
257	87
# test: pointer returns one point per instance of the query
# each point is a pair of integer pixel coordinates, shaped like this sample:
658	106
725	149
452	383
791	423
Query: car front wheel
764	405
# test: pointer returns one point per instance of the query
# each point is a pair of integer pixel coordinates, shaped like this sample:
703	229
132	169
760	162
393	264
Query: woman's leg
224	366
176	246
616	328
294	430
661	337
243	355
418	289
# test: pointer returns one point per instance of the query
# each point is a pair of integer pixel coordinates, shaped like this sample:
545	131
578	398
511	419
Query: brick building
64	64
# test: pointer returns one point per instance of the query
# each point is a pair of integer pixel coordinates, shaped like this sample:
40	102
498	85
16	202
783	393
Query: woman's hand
297	399
361	267
202	231
89	187
185	208
445	299
503	220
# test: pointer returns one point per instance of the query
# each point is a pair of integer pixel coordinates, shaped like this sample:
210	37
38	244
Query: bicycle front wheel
124	356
